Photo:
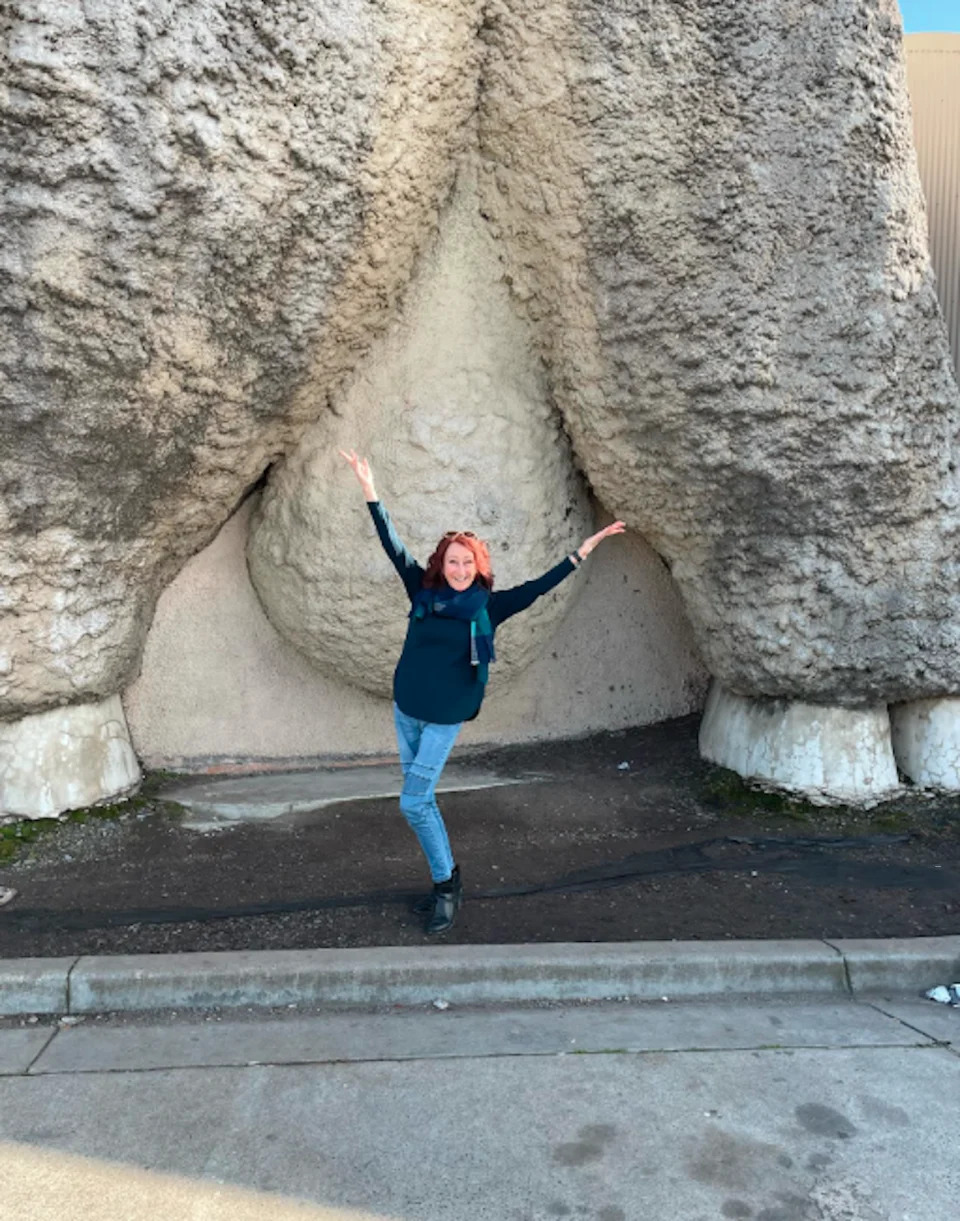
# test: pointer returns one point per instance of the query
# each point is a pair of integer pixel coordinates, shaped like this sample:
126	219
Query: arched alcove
219	683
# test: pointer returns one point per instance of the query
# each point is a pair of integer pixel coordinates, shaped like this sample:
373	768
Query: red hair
433	577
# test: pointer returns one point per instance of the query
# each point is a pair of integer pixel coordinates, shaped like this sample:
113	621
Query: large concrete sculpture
720	231
710	221
455	402
211	211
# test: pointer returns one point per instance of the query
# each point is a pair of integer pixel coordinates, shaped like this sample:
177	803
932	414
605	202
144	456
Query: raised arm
361	468
588	544
410	572
509	602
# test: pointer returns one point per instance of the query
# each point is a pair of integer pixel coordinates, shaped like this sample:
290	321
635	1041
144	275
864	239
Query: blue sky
930	16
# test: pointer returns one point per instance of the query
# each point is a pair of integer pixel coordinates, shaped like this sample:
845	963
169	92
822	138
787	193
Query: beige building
933	74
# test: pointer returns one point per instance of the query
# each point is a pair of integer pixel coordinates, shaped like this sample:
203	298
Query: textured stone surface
712	212
66	759
453	409
926	741
210	210
707	214
828	755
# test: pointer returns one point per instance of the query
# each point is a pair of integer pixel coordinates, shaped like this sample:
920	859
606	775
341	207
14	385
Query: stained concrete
880	967
939	1022
35	985
486	974
81	755
231	799
926	739
428	1033
846	1129
357	979
830	755
20	1048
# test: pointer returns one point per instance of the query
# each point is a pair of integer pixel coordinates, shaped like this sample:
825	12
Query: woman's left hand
588	544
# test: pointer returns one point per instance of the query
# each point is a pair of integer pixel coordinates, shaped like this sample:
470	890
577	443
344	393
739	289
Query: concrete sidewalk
789	1110
398	975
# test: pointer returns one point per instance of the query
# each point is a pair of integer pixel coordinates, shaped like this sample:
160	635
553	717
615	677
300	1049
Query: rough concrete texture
828	755
19	1048
211	208
453	408
35	985
65	759
712	212
707	212
364	977
219	682
894	964
843	1130
121	1045
490	974
926	741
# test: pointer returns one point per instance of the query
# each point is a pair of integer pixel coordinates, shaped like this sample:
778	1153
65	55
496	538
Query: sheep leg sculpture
713	232
717	223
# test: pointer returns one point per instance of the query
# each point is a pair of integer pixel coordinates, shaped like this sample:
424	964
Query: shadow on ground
664	847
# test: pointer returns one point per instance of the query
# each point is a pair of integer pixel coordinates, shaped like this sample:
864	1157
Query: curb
476	975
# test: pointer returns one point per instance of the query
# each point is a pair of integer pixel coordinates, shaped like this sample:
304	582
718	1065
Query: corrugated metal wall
933	76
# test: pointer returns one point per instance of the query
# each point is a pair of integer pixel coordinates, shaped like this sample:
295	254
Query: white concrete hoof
65	759
827	755
926	741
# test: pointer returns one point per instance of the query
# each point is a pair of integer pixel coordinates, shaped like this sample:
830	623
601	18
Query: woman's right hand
361	468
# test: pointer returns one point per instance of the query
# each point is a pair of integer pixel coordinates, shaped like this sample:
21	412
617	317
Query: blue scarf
470	604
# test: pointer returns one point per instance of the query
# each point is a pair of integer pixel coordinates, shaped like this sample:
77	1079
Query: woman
441	676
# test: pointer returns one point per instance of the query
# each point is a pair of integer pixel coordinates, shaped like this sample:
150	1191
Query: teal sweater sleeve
509	602
410	572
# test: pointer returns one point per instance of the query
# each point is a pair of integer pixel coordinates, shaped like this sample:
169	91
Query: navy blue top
434	680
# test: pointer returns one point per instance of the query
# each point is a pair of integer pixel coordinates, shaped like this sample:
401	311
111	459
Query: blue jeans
424	748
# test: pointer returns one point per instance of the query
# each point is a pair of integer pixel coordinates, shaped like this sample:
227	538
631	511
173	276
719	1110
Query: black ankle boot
424	906
445	901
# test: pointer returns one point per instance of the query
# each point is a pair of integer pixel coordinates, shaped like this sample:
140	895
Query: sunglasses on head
459	534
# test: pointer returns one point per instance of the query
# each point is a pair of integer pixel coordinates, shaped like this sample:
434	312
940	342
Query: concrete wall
933	76
219	684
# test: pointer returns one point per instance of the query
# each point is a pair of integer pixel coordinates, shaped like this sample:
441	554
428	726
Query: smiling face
459	567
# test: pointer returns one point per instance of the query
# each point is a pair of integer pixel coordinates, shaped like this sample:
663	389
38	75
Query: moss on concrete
727	791
17	833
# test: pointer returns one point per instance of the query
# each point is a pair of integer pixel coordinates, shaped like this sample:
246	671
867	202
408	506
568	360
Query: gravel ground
666	847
